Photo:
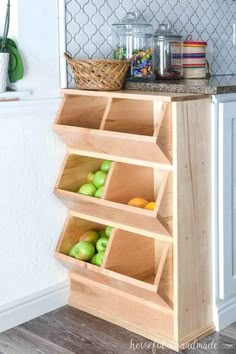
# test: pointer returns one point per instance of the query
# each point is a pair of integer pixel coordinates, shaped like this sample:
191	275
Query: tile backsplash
88	26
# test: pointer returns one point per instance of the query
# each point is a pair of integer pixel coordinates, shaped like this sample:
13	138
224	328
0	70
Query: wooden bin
156	276
124	182
118	127
130	258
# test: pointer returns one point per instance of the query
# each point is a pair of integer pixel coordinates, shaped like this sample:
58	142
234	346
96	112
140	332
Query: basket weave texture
98	74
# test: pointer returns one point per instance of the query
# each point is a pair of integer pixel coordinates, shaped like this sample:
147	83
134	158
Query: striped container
194	60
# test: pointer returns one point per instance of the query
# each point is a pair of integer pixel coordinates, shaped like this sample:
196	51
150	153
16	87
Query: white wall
13	30
31	218
38	41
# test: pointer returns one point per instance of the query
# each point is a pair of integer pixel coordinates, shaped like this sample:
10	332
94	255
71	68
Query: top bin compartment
117	126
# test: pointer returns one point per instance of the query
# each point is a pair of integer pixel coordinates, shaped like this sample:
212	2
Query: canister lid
190	43
132	23
163	32
195	43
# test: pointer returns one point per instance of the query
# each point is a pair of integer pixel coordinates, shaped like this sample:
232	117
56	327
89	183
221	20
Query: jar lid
132	23
190	43
195	43
163	32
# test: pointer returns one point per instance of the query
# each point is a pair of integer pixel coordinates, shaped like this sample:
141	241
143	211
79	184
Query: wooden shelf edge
78	203
75	265
106	255
162	162
108	179
161	265
77	198
158	117
161	192
118	225
106	113
123	159
105	133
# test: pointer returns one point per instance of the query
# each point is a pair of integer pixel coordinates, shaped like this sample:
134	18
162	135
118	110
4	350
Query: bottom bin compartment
128	257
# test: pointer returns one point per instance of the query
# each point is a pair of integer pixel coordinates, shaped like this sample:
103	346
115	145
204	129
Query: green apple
90	177
108	231
93	260
106	165
99	192
82	250
98	258
102	233
101	245
99	179
90	236
87	189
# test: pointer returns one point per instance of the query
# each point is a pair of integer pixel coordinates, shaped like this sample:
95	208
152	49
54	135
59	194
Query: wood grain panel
75	170
82	111
130	181
128	116
132	255
72	231
192	217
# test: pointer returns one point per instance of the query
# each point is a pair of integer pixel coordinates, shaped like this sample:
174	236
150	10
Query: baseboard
32	306
225	313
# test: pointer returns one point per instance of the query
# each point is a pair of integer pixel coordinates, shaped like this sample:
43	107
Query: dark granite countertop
214	86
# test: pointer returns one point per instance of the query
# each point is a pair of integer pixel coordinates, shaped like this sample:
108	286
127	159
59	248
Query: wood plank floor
67	331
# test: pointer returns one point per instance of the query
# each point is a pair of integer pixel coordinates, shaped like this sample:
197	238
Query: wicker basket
98	74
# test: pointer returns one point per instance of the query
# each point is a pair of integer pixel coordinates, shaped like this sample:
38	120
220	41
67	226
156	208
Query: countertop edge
177	88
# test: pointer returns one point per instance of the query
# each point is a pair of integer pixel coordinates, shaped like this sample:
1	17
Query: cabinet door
227	199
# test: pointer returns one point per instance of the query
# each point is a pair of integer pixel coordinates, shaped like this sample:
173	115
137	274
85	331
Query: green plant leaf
9	41
16	67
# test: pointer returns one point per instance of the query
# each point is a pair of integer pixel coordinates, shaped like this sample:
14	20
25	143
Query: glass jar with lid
133	40
168	53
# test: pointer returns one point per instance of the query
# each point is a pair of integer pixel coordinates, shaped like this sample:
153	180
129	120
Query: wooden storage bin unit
156	276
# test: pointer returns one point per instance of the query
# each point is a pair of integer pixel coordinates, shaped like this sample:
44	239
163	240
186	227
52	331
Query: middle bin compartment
131	195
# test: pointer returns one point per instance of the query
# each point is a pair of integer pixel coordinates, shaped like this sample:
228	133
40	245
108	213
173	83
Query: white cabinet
227	199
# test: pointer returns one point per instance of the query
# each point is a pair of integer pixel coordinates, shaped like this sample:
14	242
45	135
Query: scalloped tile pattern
88	26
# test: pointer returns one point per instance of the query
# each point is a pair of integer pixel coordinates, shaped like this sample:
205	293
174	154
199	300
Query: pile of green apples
91	246
95	182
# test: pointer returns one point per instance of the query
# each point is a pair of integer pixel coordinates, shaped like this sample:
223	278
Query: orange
150	206
138	202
